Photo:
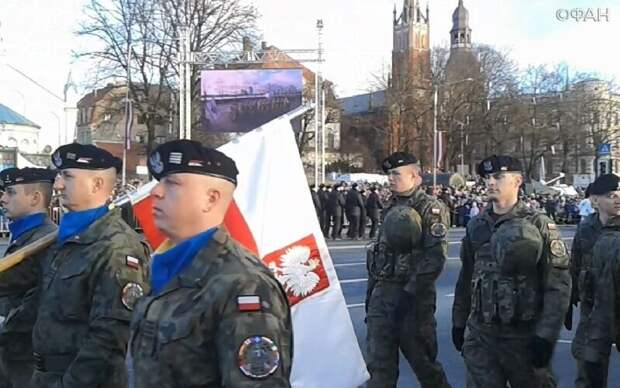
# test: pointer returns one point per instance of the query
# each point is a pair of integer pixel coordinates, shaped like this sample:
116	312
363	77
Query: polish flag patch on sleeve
248	303
132	262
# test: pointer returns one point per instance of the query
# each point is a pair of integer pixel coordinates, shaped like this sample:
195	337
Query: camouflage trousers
577	349
493	361
415	335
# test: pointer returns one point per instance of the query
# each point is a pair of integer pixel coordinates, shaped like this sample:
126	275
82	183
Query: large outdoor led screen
241	100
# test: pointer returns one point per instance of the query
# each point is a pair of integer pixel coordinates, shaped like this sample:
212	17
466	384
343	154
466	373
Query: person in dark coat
324	197
335	205
363	216
353	206
373	210
316	201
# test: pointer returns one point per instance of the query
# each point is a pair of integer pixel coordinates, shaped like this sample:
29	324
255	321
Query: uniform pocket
74	289
174	330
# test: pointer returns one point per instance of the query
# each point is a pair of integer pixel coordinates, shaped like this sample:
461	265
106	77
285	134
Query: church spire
460	35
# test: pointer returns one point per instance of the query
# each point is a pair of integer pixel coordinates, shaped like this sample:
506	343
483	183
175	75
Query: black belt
54	363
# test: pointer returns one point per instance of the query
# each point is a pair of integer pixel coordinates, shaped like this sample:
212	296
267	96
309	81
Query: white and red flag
273	215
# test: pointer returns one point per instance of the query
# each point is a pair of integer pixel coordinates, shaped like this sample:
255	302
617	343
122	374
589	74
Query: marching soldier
26	198
513	289
216	316
588	232
603	323
92	278
403	265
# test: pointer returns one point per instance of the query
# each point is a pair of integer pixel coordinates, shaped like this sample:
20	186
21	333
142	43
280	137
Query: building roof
9	116
363	103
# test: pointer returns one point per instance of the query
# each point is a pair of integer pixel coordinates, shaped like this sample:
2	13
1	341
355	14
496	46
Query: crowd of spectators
464	203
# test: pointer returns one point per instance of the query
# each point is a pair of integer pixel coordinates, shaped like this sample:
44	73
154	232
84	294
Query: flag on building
282	228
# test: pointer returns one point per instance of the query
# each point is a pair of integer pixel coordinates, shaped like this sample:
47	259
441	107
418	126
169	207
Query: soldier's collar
194	275
93	232
613	222
518	210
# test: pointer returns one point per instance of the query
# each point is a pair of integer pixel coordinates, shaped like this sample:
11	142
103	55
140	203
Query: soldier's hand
403	305
595	371
458	337
568	318
541	351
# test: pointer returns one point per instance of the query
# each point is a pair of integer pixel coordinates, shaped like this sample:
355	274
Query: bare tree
142	38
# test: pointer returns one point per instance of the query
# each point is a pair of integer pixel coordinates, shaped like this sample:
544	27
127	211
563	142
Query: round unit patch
438	230
558	248
130	295
258	357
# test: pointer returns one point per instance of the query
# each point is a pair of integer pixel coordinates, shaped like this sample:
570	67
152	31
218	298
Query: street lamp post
59	131
435	151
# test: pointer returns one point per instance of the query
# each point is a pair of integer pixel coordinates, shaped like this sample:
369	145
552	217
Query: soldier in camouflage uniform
26	198
403	265
513	289
603	321
588	232
216	316
91	280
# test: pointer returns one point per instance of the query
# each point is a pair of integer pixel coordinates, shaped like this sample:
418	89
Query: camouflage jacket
586	236
587	233
18	292
604	320
514	280
429	257
88	289
224	321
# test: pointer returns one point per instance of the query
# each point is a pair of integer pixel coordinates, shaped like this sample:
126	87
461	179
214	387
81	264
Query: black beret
85	157
190	156
500	163
604	184
17	176
398	159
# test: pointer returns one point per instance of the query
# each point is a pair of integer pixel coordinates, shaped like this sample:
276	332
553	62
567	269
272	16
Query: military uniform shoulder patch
248	303
559	255
132	262
130	295
438	230
435	210
552	226
258	357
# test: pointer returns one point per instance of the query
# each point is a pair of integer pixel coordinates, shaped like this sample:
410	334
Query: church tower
409	89
411	55
462	62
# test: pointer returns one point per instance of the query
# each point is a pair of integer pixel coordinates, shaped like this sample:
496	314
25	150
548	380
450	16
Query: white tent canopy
363	177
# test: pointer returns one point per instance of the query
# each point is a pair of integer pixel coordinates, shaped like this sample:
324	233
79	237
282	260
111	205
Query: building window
582	167
12	142
25	143
331	140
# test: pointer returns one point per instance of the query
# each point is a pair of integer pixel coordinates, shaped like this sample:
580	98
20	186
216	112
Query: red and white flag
273	215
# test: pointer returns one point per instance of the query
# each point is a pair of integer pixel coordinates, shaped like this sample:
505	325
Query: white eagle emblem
57	159
156	164
296	271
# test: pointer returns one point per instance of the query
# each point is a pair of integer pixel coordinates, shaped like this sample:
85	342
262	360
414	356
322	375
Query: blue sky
37	38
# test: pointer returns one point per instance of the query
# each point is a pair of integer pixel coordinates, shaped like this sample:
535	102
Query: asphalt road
349	259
